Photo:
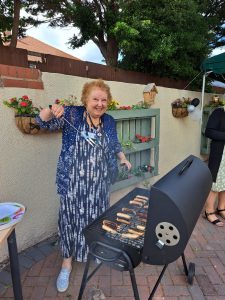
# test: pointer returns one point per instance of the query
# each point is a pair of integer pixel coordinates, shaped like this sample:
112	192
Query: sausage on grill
142	197
122	215
128	210
140	227
132	202
110	226
123	221
136	231
130	235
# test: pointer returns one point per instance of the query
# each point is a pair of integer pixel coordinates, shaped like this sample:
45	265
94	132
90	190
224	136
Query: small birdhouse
149	94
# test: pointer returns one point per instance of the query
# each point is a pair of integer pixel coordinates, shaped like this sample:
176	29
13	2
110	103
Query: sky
58	38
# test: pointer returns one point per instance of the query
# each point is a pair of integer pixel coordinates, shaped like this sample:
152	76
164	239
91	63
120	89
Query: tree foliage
11	21
213	12
164	37
94	19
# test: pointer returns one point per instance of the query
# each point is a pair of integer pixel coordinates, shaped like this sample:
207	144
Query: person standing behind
87	166
215	130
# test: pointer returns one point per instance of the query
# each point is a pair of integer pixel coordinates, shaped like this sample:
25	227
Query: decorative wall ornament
149	94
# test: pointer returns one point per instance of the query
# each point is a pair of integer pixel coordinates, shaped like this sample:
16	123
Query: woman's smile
96	103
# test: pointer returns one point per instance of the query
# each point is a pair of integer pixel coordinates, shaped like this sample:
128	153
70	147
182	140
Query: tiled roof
31	44
149	87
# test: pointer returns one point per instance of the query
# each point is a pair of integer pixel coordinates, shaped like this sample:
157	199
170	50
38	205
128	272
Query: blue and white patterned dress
87	198
83	177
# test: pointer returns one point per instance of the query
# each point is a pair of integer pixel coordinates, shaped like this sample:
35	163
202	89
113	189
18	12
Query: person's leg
66	244
210	209
67	263
221	204
62	282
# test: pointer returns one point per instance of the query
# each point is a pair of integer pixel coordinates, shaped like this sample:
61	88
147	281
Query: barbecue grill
152	226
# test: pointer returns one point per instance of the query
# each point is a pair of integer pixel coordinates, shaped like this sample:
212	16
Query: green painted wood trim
205	151
157	128
139	117
135	113
128	182
140	147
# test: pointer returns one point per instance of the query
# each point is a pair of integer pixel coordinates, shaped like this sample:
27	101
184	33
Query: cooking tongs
82	133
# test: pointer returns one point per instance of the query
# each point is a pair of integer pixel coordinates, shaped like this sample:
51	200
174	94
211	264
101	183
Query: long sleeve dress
84	175
215	130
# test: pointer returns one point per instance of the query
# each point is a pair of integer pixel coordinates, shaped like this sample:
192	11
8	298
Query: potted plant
25	113
179	107
215	102
70	101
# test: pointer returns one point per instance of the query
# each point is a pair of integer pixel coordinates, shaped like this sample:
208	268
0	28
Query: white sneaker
98	261
62	282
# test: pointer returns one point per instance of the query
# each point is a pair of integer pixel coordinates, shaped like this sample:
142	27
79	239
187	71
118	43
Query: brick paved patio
206	248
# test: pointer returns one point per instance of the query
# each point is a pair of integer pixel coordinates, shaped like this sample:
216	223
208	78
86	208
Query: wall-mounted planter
179	112
27	124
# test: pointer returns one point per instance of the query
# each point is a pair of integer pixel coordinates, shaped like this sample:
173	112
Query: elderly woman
87	166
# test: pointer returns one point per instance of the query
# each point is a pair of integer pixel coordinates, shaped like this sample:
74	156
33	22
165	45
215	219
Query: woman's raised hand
54	110
57	110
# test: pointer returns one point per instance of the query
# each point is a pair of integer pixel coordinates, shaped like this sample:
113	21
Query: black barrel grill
169	214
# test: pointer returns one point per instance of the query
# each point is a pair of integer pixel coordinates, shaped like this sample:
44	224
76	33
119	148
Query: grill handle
185	166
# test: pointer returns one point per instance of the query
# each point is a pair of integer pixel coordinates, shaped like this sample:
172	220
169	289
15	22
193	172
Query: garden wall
28	162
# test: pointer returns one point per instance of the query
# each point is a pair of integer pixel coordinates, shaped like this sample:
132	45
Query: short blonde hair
89	86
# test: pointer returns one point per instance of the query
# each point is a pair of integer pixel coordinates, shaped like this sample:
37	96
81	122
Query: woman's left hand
126	162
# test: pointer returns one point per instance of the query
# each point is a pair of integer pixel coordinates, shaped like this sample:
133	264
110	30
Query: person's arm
50	118
47	114
123	161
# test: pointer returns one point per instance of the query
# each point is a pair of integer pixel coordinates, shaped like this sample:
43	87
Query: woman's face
96	103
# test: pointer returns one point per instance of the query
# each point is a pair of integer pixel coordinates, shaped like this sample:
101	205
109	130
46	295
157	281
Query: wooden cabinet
143	156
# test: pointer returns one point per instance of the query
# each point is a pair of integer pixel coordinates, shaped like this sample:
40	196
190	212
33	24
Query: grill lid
176	201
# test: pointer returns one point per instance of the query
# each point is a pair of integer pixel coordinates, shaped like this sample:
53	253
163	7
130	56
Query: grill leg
84	279
185	264
189	271
157	283
134	284
14	265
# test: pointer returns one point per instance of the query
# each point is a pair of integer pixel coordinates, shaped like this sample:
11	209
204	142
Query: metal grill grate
111	215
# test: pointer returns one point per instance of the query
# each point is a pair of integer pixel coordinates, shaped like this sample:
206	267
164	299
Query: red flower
25	97
57	101
124	107
23	103
13	100
143	139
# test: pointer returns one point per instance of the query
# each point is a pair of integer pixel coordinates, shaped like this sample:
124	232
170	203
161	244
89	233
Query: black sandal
215	222
219	213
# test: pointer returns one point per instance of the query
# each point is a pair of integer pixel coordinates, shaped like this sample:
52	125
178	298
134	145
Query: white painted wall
28	163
